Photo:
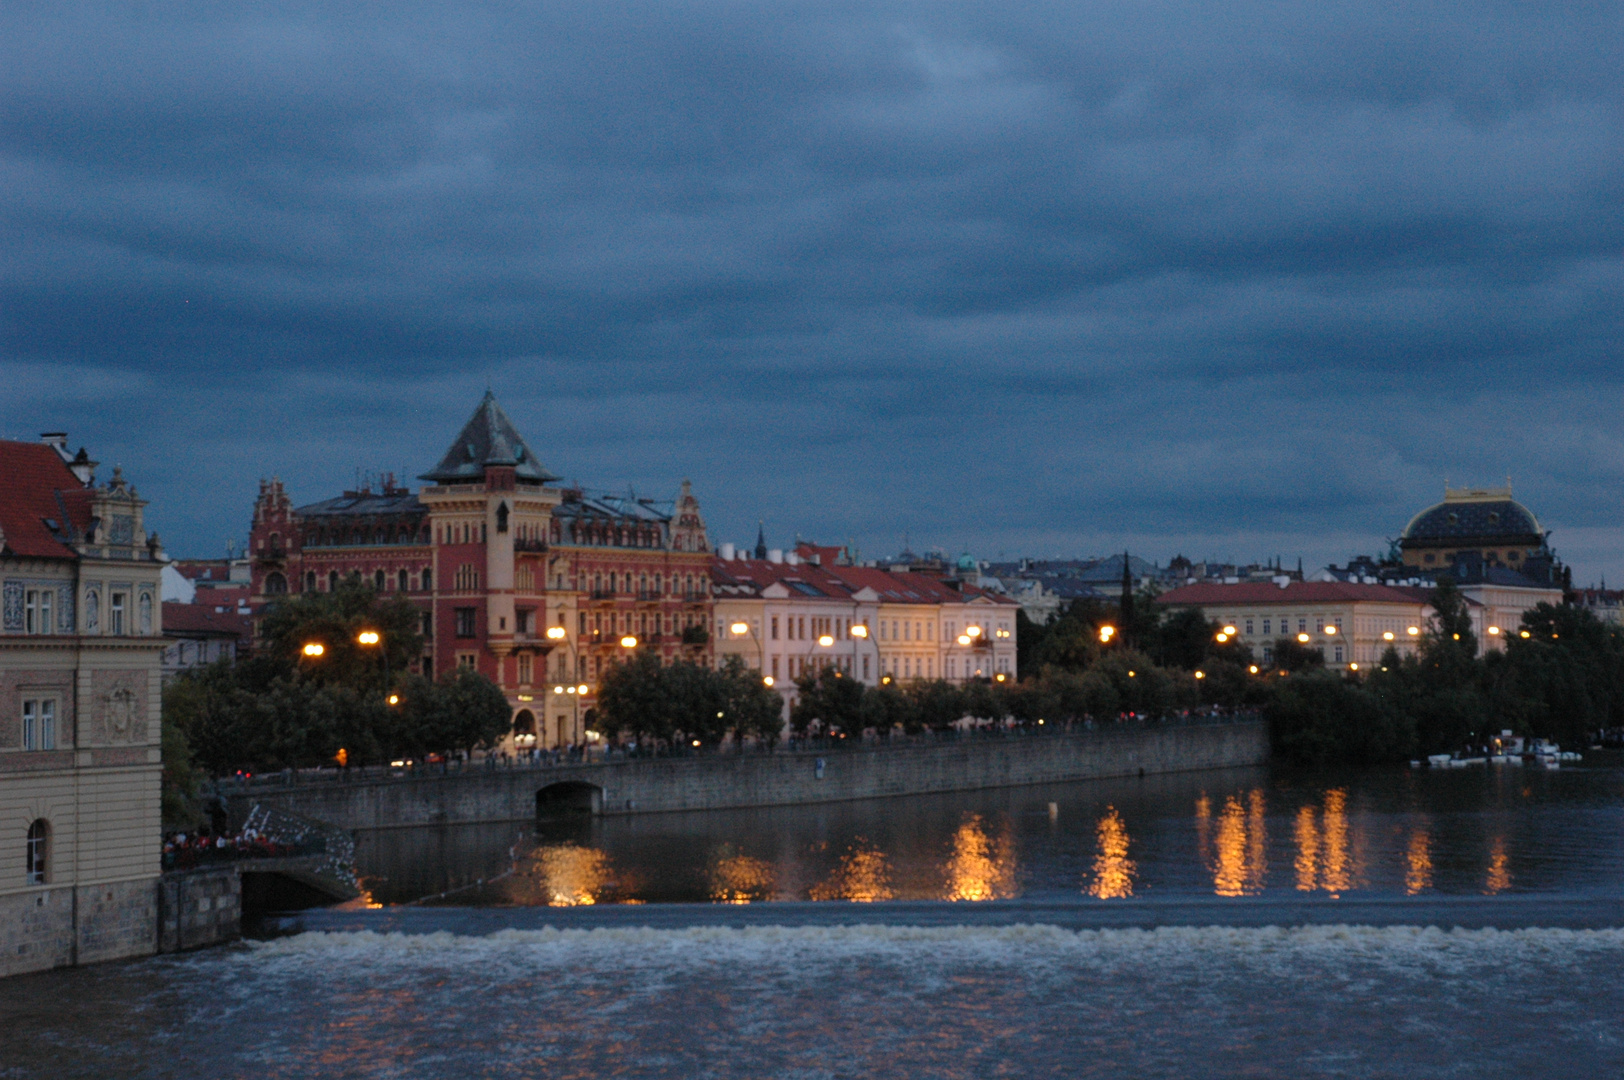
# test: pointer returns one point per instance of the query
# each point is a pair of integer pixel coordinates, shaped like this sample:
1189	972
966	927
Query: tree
334	620
829	699
470	711
753	709
1320	719
935	703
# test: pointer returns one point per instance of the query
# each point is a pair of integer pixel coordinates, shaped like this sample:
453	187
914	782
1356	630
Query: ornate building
80	641
536	585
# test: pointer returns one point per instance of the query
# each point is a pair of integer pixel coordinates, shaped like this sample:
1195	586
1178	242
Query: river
1254	923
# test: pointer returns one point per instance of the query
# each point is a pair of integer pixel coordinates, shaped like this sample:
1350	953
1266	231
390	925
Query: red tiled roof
840	582
182	620
32	477
1261	593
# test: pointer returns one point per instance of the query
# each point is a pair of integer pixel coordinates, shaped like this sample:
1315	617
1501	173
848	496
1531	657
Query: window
39	724
1249	628
146	609
37	612
1265	627
1302	626
428	581
465	621
92	611
115	619
428	625
402	580
524	669
310	581
1338	651
332	581
39	850
775	667
1268	654
467	578
465	661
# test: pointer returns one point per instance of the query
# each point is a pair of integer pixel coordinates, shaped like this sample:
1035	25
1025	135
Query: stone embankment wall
727	781
51	927
198	908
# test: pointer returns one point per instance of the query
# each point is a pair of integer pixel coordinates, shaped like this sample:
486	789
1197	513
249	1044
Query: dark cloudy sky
1231	280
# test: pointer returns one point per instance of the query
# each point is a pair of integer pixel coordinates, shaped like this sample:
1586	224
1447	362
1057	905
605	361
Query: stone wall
199	907
726	781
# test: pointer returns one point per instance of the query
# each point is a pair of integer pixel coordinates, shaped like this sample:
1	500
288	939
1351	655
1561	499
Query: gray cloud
1235	281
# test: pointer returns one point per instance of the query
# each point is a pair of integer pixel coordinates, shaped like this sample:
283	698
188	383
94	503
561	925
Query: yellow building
1349	624
80	651
786	616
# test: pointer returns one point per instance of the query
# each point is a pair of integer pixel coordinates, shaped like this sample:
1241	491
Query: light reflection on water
863	877
980	868
1113	870
1235	834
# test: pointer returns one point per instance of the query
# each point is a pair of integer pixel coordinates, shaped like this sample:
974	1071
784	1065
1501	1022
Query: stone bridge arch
569	798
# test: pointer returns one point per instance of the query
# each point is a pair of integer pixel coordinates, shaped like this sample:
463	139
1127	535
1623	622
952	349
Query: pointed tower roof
489	438
761	539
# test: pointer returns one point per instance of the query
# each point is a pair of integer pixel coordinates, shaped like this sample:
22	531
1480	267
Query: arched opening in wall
377	581
275	584
332	581
39	852
569	798
310	581
402	579
524	729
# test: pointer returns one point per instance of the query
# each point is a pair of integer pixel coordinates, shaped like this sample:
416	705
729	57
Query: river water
1247	923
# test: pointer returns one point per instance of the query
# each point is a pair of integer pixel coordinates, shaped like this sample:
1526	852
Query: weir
784	778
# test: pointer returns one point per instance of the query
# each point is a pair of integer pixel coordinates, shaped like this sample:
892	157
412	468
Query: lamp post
741	628
859	632
558	633
371	639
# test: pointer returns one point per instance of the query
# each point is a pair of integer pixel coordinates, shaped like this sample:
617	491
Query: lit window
115	621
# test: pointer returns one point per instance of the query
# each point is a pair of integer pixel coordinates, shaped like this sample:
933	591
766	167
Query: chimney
58	441
726	552
775	555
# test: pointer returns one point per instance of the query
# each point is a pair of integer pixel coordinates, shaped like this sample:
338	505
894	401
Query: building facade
787	616
537	586
81	627
1351	625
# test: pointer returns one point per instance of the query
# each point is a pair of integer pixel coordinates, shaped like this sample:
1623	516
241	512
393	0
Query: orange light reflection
1113	870
862	877
979	869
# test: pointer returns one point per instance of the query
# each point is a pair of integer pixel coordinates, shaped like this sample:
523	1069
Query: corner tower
490	515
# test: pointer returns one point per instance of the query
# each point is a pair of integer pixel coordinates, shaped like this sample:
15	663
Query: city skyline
1043	283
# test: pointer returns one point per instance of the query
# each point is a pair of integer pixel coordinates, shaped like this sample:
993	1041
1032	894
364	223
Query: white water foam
1412	950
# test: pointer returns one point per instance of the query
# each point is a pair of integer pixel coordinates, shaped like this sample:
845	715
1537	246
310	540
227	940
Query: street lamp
559	634
629	641
371	639
1107	632
314	649
739	629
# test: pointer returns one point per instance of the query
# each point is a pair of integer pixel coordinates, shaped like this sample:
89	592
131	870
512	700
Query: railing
796	745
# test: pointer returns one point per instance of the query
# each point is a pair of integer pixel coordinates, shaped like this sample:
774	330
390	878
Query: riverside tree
283	708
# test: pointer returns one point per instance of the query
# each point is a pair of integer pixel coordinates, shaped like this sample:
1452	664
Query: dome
968	562
1474	517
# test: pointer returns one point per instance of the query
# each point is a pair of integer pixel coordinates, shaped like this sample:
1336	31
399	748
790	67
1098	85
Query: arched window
502	517
275	585
332	581
39	852
428	581
403	579
310	581
145	608
377	581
